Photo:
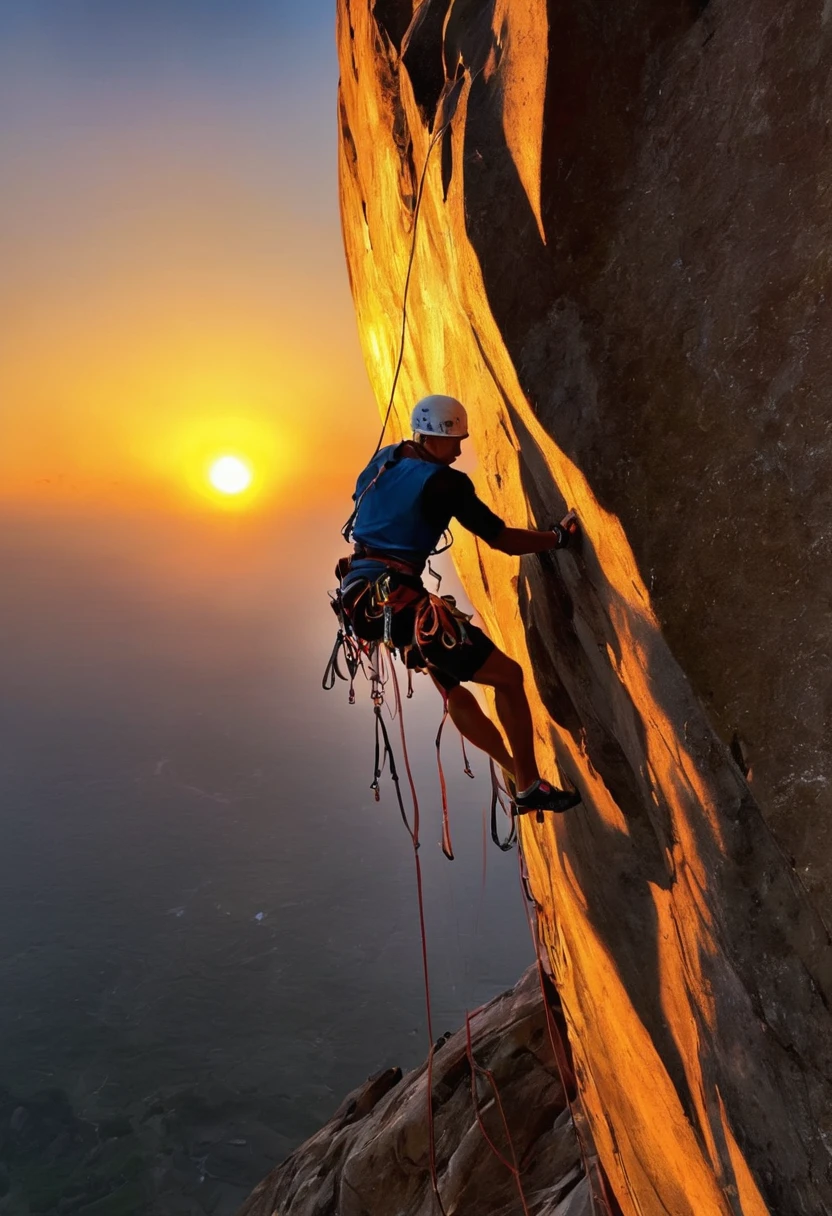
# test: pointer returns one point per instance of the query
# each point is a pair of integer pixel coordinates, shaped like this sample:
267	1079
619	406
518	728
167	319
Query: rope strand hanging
446	109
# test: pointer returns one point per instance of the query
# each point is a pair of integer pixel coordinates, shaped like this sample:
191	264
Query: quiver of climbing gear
381	609
438	617
348	647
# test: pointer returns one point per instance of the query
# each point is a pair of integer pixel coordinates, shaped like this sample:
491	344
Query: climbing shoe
542	797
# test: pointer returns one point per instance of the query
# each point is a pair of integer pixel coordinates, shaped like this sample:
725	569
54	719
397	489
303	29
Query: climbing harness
435	619
347	647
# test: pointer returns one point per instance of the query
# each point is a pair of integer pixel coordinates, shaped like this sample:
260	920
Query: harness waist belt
393	563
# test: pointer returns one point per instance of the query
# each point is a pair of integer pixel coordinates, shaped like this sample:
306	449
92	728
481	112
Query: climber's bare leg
468	717
506	678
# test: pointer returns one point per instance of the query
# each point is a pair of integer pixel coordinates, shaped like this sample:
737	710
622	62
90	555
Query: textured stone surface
621	263
371	1159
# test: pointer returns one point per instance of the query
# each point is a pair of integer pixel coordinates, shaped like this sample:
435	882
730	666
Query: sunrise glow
230	475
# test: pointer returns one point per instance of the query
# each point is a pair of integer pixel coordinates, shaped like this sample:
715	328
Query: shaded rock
359	1103
377	1162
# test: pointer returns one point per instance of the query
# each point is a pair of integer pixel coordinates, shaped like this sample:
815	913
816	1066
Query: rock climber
404	501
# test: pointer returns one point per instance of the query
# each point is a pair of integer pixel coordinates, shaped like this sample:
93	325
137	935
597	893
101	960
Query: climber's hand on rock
571	525
567	531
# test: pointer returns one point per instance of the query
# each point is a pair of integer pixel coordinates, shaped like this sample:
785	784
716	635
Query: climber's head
440	424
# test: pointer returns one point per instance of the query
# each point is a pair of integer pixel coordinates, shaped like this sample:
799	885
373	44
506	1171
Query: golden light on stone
230	475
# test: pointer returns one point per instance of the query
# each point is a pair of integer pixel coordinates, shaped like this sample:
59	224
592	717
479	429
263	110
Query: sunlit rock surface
370	1159
621	265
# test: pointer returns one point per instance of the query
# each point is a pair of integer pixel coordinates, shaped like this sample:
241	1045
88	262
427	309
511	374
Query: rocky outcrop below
372	1158
619	264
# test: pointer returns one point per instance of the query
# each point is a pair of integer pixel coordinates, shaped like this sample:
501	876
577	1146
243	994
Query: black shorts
449	665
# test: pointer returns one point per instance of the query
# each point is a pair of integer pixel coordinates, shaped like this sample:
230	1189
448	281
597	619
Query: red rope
481	903
447	846
414	831
414	837
558	1043
446	108
476	1068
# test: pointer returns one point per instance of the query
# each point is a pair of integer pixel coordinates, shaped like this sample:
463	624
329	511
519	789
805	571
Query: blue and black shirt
406	500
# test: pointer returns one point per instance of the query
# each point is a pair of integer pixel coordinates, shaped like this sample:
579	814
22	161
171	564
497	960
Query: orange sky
174	286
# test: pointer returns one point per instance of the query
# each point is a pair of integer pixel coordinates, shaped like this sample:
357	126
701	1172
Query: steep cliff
620	265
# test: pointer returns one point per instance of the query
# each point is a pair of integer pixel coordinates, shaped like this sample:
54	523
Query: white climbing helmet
439	415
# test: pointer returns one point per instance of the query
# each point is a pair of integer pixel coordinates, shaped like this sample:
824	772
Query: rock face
620	264
369	1160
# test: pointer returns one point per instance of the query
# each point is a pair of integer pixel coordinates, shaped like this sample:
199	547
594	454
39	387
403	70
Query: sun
230	475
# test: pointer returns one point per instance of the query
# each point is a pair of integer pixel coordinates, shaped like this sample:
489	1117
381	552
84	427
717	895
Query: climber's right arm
451	494
518	541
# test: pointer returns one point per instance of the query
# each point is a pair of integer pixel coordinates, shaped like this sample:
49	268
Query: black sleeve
451	495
